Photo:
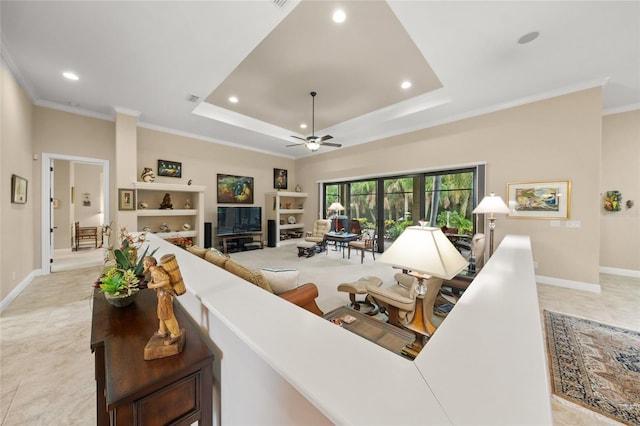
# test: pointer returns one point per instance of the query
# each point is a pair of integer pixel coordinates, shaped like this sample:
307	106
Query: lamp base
421	324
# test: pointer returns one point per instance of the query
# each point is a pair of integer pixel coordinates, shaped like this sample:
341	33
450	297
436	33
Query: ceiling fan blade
298	137
326	138
294	144
335	145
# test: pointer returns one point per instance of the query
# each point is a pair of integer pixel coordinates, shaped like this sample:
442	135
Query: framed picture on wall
279	178
235	189
169	168
18	189
549	199
126	199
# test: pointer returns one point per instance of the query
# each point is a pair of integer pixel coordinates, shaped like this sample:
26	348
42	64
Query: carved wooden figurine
169	338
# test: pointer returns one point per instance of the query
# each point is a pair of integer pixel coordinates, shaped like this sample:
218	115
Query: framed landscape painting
549	199
235	189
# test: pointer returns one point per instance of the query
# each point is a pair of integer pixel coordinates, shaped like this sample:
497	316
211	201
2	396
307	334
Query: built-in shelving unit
286	209
189	196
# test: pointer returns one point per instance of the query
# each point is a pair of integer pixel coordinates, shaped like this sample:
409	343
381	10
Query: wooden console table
131	391
226	238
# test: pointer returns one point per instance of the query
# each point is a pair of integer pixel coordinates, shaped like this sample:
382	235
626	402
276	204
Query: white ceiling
147	57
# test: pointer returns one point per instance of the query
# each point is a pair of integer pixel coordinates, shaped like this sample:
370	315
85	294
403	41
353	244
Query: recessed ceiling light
303	126
339	16
70	75
405	84
529	37
233	99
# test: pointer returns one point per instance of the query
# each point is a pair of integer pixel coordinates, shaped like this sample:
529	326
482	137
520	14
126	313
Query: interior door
51	221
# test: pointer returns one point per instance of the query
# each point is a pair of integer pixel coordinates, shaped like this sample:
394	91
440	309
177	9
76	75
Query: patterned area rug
595	365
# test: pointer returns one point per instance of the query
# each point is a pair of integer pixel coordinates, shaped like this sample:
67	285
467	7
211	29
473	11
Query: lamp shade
425	250
491	204
336	207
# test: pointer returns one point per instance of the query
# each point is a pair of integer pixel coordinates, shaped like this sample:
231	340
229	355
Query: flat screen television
239	220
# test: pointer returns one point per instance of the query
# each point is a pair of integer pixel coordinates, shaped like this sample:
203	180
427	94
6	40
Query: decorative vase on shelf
298	189
148	175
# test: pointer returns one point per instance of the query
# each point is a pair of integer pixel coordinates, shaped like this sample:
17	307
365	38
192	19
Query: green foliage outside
443	193
464	225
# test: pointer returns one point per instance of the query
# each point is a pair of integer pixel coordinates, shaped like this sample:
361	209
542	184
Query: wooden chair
86	233
366	243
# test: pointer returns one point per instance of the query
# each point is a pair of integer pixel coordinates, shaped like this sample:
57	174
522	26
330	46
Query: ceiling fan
313	142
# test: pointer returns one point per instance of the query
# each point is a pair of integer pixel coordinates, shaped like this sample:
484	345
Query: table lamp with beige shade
336	207
429	256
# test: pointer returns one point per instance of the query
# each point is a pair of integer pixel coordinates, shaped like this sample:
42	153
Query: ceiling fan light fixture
312	146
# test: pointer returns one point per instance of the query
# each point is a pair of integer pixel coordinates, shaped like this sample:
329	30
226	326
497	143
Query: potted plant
123	275
119	286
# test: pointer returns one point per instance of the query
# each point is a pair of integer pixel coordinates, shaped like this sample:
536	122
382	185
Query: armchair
398	301
320	227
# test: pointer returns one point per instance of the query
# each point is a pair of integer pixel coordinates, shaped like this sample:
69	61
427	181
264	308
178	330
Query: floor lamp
491	205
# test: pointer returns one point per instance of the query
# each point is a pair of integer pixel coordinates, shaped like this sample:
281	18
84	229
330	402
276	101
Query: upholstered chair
320	227
398	301
477	250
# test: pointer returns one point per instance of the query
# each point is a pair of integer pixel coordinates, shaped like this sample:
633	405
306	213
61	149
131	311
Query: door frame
45	202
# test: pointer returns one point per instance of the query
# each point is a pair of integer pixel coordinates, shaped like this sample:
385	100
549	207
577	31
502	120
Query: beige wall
87	180
17	231
202	161
557	138
620	231
64	133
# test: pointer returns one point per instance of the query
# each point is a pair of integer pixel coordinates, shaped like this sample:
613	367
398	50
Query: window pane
332	194
363	203
398	206
449	201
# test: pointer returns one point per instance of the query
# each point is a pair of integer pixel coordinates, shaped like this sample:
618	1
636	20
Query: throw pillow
247	274
216	259
281	280
198	251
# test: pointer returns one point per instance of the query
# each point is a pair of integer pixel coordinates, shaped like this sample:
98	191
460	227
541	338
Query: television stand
226	238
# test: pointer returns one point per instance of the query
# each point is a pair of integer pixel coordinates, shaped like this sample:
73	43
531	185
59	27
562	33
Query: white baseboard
619	271
4	304
576	285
